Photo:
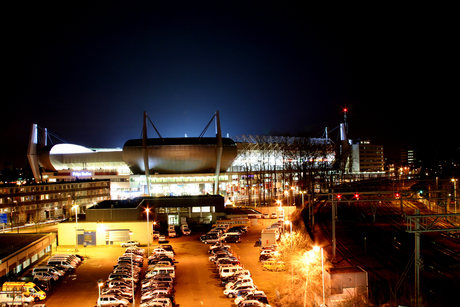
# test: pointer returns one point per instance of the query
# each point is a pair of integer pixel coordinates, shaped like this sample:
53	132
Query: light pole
132	272
455	192
76	224
100	283
316	248
148	232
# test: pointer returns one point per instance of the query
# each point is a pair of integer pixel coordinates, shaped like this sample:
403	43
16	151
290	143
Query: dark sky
88	70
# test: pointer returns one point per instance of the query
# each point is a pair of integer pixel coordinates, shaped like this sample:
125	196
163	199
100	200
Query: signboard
3	218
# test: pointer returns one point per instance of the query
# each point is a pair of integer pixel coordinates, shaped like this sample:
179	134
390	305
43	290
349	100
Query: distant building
366	157
35	203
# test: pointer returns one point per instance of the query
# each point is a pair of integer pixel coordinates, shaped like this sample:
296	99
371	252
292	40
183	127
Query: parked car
273	265
232	239
111	300
130	243
232	292
252	303
156	234
273	215
265	215
43	276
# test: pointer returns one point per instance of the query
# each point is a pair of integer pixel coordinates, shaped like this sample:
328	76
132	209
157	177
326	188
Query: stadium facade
255	168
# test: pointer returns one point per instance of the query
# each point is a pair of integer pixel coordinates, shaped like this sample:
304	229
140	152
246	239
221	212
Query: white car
159	301
111	300
156	234
44	276
162	251
240	280
265	215
130	243
273	215
231	293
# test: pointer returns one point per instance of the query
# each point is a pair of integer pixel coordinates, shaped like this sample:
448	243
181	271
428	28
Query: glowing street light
148	233
100	283
76	225
317	248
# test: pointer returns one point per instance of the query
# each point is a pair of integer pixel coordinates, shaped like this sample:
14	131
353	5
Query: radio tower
345	119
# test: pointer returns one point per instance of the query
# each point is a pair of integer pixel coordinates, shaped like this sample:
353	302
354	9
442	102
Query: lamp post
100	283
148	232
76	225
316	248
132	272
454	181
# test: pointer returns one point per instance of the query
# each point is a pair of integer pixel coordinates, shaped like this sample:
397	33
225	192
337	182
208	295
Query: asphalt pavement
196	282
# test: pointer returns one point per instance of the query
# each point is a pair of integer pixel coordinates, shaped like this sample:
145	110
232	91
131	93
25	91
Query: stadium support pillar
32	153
219	148
145	153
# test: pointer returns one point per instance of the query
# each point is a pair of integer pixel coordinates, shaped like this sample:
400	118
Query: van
13	298
26	288
74	262
230	270
209	238
61	263
185	230
49	269
164	270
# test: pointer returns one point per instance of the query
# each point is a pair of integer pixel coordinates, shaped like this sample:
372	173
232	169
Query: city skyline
88	73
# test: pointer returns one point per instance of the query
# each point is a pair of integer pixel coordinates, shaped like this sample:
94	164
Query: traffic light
339	197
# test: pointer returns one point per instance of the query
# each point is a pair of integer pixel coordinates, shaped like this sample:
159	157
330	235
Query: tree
302	280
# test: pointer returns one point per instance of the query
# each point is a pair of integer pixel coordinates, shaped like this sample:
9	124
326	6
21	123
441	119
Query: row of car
24	292
158	283
55	268
272	215
224	233
235	279
120	286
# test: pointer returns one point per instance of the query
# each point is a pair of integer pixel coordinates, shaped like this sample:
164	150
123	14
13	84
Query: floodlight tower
345	119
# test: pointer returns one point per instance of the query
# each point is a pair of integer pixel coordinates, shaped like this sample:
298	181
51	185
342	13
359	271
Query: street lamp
316	248
290	233
148	232
76	224
100	283
132	271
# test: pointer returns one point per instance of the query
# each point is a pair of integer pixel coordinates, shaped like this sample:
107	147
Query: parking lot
197	283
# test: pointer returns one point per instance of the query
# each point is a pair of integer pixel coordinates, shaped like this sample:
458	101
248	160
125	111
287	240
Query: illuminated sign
82	174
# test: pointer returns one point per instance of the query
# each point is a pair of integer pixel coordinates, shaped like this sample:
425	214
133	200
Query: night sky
88	70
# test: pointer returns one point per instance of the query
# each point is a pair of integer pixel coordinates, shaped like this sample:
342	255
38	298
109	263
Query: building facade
367	158
37	203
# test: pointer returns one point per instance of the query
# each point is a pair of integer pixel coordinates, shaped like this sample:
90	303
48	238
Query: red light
339	197
357	196
397	195
345	109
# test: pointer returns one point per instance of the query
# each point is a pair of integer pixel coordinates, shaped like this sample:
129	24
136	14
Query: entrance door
173	220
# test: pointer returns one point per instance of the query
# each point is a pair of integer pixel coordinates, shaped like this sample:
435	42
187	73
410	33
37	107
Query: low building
20	251
113	222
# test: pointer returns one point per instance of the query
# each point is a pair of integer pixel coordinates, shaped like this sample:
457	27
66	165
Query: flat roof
11	243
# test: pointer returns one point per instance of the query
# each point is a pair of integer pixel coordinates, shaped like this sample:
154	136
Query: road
196	281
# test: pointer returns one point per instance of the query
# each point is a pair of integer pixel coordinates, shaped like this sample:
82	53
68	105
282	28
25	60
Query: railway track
385	250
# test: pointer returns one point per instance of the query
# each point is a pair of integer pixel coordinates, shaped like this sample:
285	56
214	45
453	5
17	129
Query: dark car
265	257
232	239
